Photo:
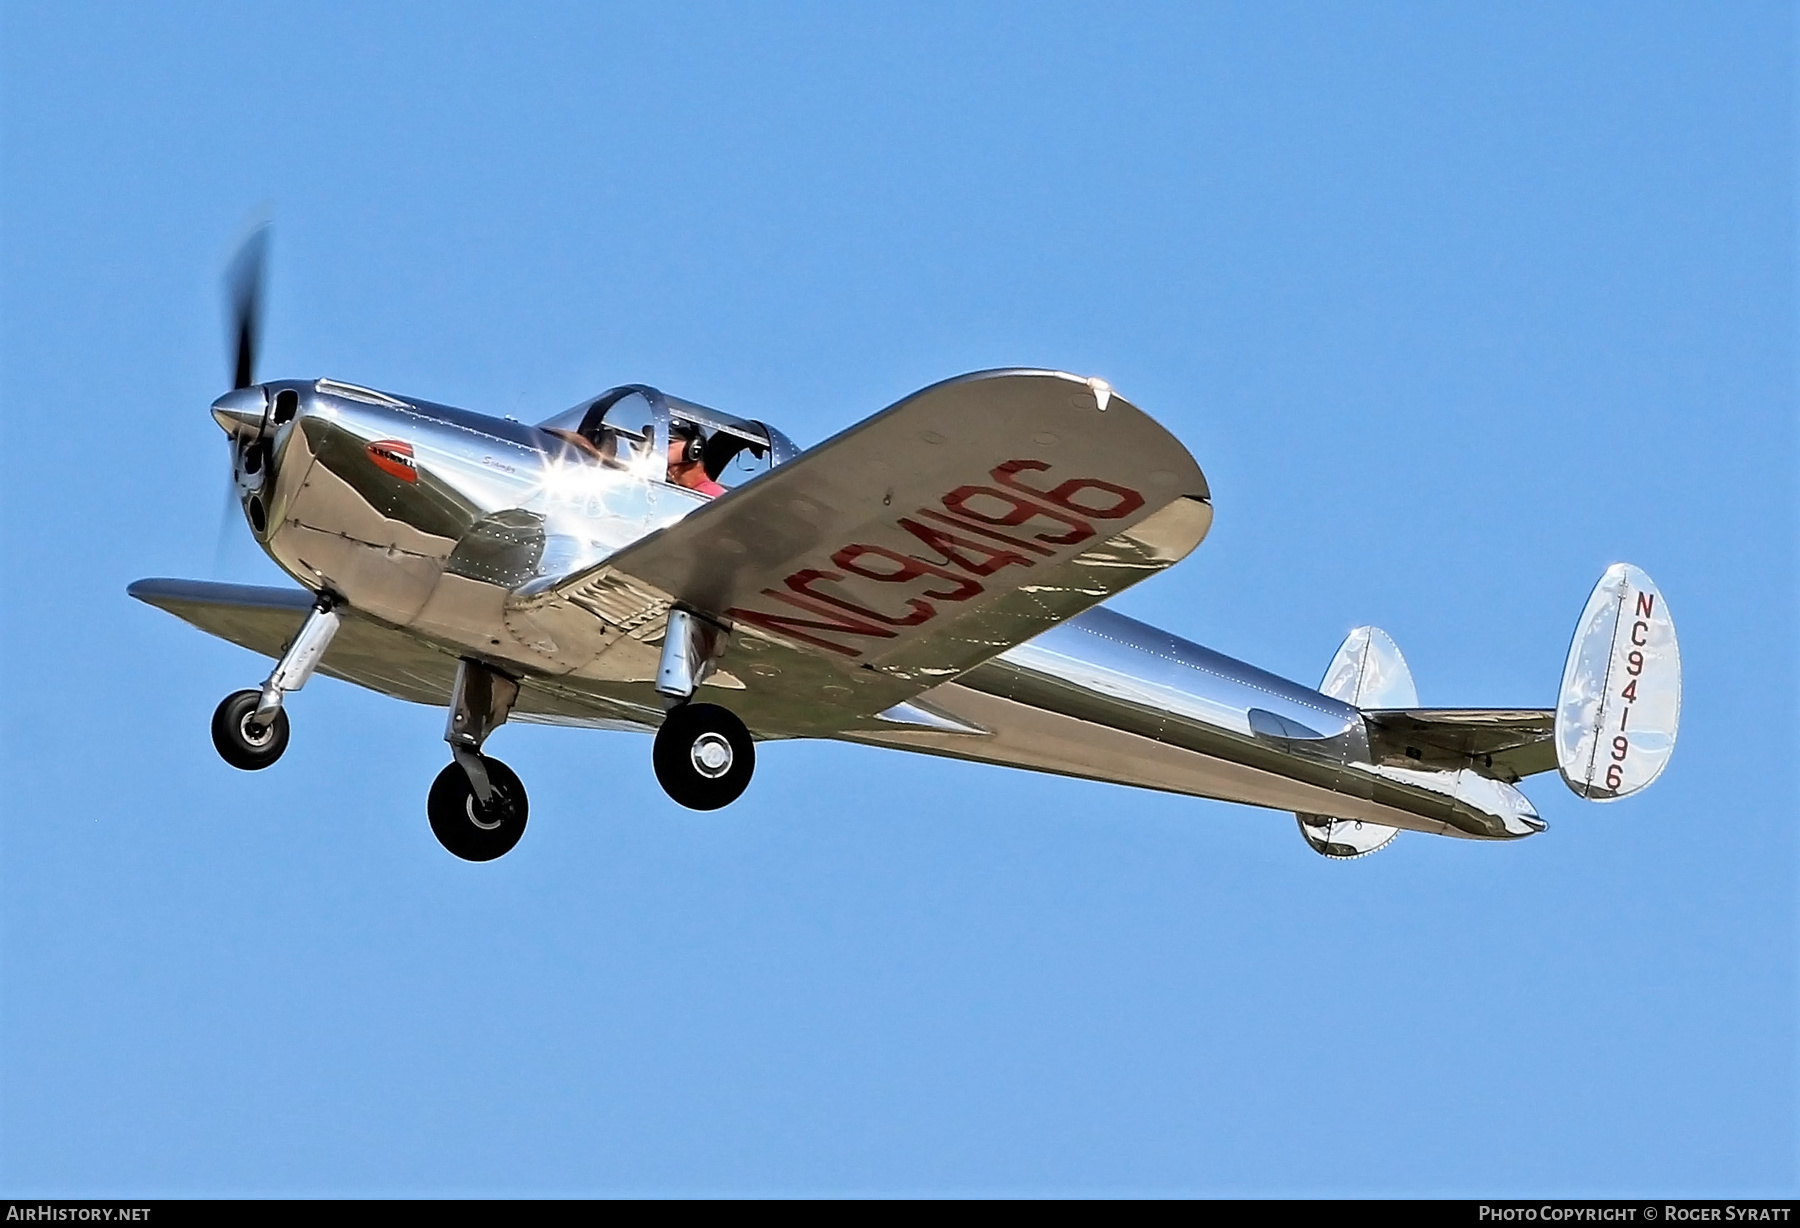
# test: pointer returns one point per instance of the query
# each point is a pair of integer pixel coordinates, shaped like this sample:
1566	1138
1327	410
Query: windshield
630	428
618	429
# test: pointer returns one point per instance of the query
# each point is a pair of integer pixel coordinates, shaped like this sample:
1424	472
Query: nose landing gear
477	806
703	756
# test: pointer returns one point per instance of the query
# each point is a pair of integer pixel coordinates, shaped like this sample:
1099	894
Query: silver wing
927	539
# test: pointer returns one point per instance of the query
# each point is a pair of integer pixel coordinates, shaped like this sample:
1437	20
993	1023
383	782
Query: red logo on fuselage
394	457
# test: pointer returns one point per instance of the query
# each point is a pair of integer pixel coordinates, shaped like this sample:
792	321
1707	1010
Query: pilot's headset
686	445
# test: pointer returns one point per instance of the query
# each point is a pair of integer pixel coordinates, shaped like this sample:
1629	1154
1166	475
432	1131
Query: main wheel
242	742
703	756
467	828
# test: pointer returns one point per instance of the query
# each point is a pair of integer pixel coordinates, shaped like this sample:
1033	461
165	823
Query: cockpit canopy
630	427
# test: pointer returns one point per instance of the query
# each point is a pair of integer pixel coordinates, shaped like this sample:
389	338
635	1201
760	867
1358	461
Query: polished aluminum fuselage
495	507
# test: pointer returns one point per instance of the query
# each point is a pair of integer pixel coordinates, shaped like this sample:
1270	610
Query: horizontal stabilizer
1503	743
1620	702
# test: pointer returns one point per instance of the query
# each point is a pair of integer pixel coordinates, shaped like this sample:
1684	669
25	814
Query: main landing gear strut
249	728
704	757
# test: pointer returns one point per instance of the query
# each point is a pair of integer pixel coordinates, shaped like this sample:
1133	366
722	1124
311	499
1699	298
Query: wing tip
160	591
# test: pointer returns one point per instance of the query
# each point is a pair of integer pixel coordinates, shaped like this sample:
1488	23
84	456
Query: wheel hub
254	734
711	754
474	809
704	756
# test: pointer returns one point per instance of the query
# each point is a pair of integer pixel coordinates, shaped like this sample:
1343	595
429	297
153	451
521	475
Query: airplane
930	579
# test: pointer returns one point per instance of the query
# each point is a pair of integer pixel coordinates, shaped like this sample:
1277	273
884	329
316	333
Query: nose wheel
243	740
704	757
470	828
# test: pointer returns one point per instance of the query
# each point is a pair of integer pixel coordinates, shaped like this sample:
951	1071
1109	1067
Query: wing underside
367	652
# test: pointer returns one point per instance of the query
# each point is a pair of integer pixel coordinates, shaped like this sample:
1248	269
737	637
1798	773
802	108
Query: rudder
1620	701
1367	671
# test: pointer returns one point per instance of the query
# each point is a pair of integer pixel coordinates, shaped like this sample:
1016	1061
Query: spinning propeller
242	417
243	289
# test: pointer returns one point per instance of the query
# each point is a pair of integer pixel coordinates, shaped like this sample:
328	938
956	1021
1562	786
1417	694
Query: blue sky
1454	304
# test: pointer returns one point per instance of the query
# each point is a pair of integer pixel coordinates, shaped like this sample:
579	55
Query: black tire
239	740
694	738
464	826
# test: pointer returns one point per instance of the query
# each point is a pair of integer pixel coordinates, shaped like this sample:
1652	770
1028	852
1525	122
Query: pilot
685	467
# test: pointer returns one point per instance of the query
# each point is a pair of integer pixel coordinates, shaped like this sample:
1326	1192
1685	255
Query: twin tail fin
1610	735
